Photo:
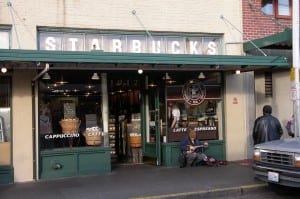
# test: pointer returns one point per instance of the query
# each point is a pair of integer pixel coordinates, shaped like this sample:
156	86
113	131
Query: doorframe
151	149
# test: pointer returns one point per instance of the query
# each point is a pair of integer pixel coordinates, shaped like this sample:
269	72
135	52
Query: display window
5	121
194	103
70	111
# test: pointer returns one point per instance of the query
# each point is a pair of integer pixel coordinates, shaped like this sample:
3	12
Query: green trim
285	36
6	175
171	151
224	62
66	162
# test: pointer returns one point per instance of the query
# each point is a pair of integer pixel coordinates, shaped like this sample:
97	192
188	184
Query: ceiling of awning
282	40
99	60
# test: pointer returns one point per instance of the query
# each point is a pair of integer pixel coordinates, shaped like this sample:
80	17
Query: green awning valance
98	59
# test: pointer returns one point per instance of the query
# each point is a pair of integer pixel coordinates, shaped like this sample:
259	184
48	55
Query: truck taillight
256	155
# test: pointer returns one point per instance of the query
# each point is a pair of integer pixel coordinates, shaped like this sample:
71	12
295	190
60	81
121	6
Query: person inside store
192	150
290	126
266	127
174	114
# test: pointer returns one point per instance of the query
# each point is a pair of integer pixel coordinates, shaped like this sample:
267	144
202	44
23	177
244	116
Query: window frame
275	11
276	7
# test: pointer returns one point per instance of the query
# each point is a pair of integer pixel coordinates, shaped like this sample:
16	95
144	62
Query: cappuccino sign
131	43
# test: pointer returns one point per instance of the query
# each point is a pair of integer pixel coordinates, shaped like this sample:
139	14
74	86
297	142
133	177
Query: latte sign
194	92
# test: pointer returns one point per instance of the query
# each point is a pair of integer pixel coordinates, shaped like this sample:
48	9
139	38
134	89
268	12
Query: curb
211	193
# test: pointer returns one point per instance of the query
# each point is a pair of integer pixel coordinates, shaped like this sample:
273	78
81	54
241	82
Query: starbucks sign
194	92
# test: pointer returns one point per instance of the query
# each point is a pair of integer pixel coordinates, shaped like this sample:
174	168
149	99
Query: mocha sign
131	42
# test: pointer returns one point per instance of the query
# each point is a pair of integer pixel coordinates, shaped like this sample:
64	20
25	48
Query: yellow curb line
203	192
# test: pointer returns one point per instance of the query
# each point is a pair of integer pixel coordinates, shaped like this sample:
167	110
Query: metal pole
296	66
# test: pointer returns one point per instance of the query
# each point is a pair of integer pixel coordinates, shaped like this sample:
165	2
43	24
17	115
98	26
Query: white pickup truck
278	162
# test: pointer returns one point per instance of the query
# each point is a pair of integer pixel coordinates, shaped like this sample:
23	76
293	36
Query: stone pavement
143	181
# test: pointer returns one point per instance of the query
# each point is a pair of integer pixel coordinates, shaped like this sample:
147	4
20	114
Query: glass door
151	146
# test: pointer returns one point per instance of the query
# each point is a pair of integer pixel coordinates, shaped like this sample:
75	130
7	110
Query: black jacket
266	128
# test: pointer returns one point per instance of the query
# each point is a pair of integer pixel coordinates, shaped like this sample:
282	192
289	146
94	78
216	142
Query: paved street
264	192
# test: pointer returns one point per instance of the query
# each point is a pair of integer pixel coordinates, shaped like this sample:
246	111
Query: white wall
22	125
235	117
156	15
281	102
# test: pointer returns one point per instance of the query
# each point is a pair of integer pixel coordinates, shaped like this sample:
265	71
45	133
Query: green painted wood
149	150
6	175
74	162
224	61
170	152
88	162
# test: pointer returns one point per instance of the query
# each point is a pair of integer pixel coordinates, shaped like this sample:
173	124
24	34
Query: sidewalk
142	181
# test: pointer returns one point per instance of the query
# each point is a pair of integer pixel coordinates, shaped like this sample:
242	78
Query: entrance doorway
134	112
125	132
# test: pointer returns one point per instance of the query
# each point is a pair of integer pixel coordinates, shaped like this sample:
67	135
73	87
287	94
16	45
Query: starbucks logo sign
194	92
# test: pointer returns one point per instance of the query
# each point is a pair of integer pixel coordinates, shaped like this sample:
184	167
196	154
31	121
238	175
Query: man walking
266	127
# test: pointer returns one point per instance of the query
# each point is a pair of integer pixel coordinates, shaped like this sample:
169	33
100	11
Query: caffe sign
132	43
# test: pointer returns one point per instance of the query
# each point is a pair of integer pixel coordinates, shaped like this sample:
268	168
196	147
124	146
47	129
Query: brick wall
257	25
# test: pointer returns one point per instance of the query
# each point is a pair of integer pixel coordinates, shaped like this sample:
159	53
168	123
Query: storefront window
5	121
70	111
195	104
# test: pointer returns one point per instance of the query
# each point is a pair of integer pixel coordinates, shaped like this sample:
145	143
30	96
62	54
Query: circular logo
194	92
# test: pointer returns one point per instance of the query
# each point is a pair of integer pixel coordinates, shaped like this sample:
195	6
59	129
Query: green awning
125	61
283	39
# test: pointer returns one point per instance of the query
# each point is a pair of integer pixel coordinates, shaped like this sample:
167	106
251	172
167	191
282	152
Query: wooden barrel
69	126
135	141
92	138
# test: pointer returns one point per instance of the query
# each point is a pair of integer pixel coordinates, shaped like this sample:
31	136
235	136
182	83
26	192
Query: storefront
95	110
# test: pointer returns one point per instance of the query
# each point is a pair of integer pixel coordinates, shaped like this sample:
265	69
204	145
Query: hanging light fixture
61	82
201	76
140	71
3	69
168	79
46	76
152	84
95	76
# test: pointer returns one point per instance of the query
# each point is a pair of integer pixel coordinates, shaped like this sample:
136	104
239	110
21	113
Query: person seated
192	149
